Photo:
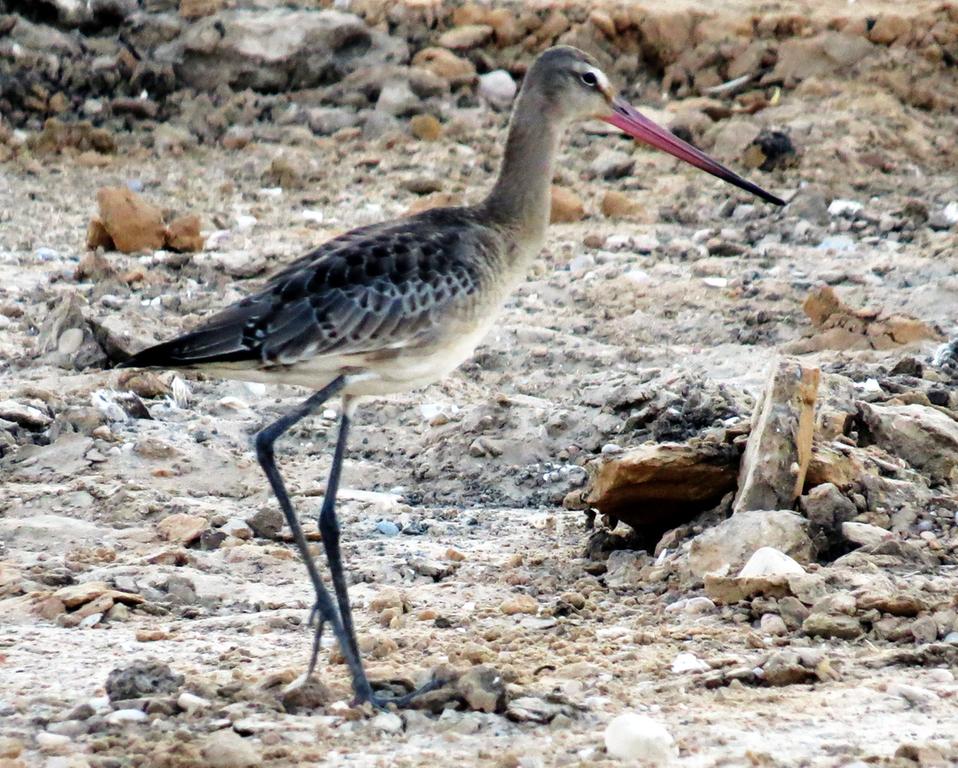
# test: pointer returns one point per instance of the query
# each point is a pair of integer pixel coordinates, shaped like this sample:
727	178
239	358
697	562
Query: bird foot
382	702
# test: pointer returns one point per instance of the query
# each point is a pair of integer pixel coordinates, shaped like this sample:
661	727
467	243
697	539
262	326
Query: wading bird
395	306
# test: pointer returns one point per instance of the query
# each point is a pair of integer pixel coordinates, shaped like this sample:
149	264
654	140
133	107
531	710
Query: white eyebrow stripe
601	79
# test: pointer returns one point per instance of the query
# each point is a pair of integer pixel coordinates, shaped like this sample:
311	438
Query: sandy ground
489	524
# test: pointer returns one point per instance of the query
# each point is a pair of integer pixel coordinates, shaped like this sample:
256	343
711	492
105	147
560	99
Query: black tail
220	341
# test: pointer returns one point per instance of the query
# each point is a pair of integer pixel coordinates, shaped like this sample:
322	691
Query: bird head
572	86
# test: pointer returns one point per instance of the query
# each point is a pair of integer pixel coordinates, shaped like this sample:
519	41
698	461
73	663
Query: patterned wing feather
371	289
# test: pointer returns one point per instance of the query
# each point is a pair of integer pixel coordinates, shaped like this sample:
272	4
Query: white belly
374	374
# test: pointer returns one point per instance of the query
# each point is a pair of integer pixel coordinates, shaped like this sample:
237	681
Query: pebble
387	528
498	88
227	749
715	282
839	207
387	722
10	747
636	737
425	127
768	561
52	742
190	702
913	694
836	243
863	533
121	716
567	206
70	341
773	624
689	662
519	604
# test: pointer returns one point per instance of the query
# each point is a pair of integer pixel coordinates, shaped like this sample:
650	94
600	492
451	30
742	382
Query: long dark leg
264	453
329	528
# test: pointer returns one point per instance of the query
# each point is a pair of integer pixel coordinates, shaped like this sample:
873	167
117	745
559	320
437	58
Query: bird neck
521	198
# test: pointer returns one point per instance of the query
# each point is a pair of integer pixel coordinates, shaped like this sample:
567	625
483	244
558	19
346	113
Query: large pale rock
660	482
276	50
729	544
924	436
779	447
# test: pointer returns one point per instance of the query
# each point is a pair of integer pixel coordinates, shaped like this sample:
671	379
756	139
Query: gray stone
612	164
276	50
827	510
328	120
923	436
397	98
779	447
827	625
729	544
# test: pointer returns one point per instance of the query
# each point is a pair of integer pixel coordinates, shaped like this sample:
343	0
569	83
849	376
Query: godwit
395	306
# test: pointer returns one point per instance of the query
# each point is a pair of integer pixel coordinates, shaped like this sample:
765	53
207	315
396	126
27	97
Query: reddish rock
132	223
183	234
566	206
662	482
446	65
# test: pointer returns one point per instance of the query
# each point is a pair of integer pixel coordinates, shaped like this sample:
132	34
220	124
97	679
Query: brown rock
446	65
483	689
832	625
733	589
519	604
50	607
132	223
77	594
182	528
662	482
619	205
566	205
504	25
465	37
667	34
425	127
97	236
196	9
145	384
889	28
897	604
779	447
183	234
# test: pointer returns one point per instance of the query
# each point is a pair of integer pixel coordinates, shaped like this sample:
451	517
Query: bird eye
589	79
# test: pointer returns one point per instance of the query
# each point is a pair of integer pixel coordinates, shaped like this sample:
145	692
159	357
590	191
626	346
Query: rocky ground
680	351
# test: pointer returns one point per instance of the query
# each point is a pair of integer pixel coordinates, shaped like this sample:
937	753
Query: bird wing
370	289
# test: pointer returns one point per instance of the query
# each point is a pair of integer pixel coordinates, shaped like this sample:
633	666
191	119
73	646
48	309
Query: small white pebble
52	742
688	662
387	722
633	737
768	561
715	282
121	716
190	702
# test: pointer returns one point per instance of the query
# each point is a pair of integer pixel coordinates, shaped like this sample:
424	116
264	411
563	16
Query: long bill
627	118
